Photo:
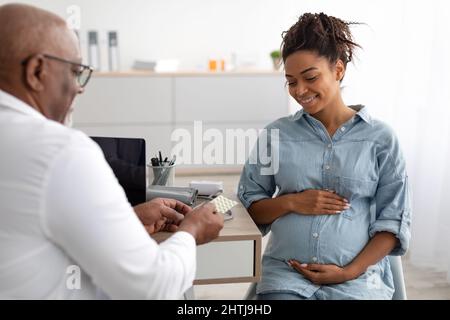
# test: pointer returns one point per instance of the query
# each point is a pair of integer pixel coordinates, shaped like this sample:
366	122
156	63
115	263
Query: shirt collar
298	115
361	111
11	102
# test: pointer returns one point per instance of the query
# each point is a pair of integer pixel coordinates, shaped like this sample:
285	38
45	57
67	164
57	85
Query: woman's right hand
317	202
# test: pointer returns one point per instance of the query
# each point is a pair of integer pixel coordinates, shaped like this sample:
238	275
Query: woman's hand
317	202
322	274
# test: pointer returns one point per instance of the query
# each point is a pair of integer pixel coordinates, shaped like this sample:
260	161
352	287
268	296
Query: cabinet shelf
152	105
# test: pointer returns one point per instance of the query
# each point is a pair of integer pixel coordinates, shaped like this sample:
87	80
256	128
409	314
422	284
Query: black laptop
127	158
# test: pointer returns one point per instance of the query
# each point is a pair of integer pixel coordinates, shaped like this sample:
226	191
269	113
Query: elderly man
60	204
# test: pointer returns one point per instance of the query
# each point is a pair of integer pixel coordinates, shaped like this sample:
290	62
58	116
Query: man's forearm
378	247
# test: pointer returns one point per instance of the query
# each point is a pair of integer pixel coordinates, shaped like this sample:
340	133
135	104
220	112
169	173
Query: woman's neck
333	116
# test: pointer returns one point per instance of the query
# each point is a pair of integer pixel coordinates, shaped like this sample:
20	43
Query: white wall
195	30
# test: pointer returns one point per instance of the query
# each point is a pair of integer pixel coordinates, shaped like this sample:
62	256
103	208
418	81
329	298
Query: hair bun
328	36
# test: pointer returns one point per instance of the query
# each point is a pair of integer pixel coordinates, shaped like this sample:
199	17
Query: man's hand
317	202
321	273
203	223
161	214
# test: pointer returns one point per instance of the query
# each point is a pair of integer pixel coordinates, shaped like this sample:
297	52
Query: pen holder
161	176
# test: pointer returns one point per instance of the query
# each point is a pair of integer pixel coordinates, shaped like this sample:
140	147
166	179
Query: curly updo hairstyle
328	36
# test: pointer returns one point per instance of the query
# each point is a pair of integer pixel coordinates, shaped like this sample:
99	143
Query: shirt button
329	146
327	168
314	259
315	235
343	129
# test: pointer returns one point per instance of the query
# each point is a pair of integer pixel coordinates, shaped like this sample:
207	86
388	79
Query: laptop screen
127	159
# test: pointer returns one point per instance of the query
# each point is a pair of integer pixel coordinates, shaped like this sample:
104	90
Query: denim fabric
361	162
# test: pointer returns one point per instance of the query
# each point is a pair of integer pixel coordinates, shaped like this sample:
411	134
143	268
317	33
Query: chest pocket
354	189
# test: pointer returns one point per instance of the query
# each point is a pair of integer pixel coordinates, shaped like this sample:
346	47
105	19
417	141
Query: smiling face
313	82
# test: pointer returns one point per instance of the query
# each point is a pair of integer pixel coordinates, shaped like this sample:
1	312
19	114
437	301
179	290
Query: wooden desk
235	256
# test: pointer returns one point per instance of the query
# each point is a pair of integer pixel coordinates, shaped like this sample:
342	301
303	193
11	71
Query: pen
172	162
212	196
156	170
165	174
200	205
155	162
160	159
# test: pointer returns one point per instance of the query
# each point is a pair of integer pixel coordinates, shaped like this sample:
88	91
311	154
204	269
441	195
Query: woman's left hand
321	273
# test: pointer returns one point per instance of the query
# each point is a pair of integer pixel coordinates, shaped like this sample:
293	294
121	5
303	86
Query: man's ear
35	71
340	70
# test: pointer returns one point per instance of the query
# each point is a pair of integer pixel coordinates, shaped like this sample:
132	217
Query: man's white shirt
61	207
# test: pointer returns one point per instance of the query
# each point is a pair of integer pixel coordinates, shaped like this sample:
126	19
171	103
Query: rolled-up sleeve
257	179
393	198
253	186
256	184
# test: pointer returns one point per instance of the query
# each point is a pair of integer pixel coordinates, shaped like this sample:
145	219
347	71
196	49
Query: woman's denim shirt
363	163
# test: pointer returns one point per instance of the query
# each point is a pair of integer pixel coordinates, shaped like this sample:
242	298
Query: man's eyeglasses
83	72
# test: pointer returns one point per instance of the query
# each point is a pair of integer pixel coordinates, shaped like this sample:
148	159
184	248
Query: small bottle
93	50
232	66
113	51
212	65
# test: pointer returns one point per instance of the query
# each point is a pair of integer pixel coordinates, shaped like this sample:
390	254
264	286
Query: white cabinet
126	100
212	265
152	106
230	99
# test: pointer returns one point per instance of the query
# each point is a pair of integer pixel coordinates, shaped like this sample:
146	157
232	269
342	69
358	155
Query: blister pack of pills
223	205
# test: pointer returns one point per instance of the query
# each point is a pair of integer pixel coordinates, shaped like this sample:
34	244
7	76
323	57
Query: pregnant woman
339	203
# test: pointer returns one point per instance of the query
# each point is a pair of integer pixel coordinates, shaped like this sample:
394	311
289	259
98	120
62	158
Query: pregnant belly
329	239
